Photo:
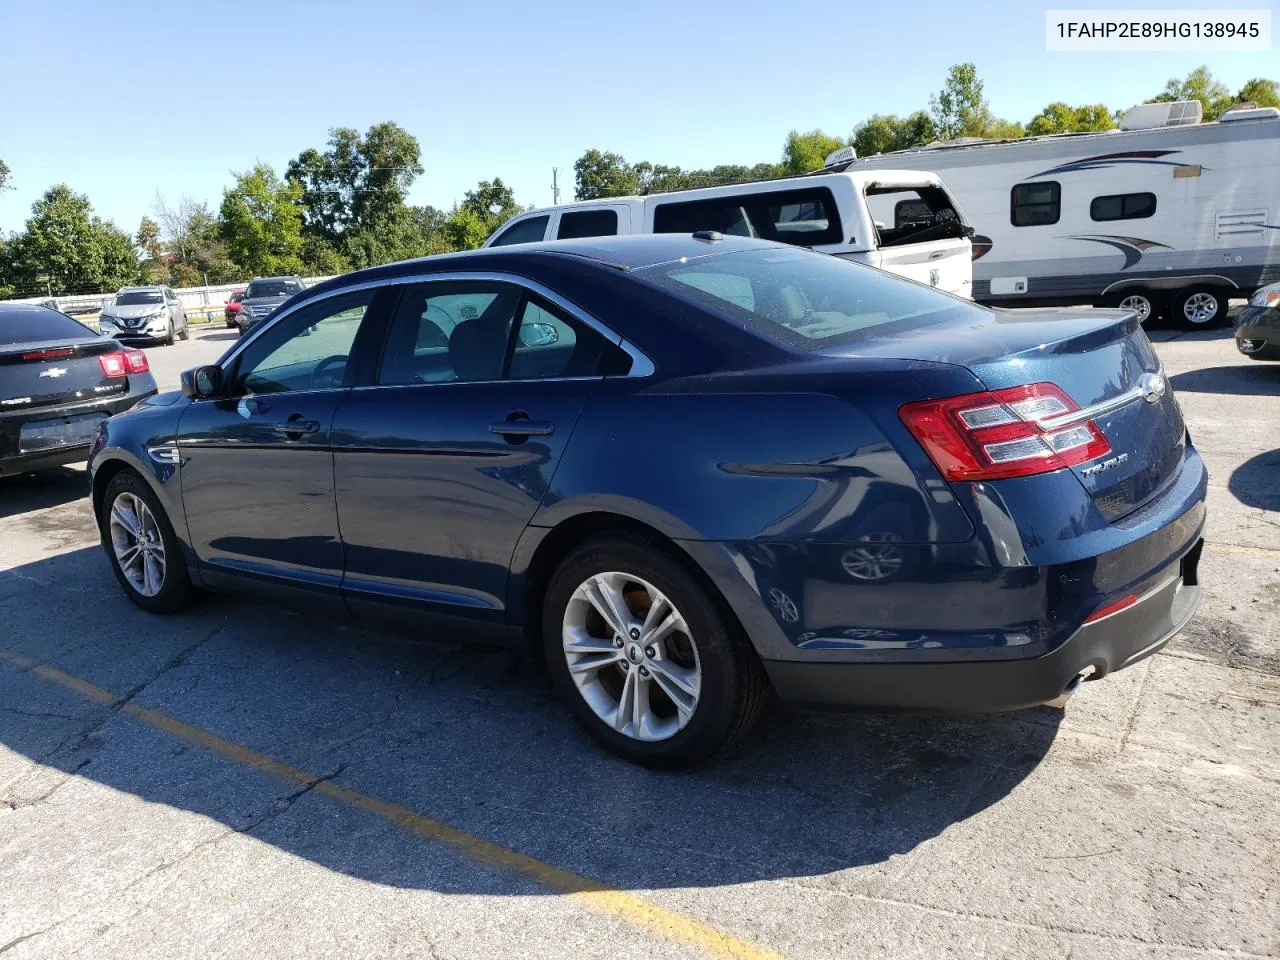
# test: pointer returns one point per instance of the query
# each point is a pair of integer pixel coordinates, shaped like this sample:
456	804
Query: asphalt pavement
245	781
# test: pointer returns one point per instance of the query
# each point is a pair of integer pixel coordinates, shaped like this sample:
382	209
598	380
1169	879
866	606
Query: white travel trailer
1164	214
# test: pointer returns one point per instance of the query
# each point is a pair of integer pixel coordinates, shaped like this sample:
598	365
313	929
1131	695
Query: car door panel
257	468
433	494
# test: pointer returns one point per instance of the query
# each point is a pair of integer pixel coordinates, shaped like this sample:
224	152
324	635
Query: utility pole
555	187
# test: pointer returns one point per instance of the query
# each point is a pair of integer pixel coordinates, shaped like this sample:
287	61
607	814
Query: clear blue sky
121	101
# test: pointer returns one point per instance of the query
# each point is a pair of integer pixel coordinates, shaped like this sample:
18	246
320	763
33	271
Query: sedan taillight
123	362
1005	433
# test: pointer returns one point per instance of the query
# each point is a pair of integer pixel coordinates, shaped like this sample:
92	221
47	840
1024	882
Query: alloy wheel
1140	305
137	544
632	656
1200	308
877	559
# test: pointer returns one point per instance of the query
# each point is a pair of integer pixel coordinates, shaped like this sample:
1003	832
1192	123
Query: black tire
1132	299
1188	308
186	333
177	592
733	685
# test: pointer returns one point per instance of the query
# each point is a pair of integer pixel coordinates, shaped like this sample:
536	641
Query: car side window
450	332
308	350
587	223
549	344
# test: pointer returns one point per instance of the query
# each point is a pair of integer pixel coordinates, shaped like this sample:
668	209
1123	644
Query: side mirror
538	335
202	383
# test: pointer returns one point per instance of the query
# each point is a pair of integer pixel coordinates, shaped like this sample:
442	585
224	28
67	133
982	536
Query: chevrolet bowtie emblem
53	372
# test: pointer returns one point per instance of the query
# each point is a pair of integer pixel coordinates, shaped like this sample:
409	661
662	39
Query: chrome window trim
641	365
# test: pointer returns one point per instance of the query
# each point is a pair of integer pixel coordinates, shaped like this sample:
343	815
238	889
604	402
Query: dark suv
261	298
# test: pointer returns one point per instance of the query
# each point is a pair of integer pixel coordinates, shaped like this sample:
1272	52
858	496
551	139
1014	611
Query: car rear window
809	300
272	288
32	326
802	217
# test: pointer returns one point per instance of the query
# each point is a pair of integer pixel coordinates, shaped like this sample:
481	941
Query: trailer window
1123	206
1036	204
801	217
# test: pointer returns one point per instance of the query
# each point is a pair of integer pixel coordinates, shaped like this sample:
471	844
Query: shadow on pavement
38	491
470	736
1256	482
224	335
1256	379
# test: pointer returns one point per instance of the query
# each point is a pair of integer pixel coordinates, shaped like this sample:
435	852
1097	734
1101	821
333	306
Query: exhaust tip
1061	699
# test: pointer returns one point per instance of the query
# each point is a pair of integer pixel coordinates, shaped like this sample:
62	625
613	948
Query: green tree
597	174
805	152
465	229
1200	85
960	110
260	222
884	133
1262	92
64	247
1060	117
4	175
358	182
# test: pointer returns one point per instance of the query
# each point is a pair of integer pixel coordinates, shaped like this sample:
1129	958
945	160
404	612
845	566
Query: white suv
845	214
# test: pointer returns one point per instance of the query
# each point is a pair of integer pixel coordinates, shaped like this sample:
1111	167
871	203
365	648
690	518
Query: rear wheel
168	340
1198	308
185	334
145	554
644	658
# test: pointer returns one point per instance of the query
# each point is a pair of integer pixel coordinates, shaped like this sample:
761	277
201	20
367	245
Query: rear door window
526	231
802	217
587	223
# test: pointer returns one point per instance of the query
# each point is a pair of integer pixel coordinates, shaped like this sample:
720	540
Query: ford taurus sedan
692	472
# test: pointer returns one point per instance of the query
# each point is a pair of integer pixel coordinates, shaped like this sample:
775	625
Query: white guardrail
193	298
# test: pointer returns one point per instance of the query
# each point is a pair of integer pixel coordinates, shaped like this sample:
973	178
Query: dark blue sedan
691	472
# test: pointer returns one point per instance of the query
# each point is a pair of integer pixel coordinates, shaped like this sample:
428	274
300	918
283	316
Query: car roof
142	289
624	253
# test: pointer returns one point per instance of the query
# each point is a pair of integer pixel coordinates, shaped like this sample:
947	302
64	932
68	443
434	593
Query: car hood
133	310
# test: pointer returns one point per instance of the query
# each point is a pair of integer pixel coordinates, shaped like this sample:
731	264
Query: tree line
345	205
959	109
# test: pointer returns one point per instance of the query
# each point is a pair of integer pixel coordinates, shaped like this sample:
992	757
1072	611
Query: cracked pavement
1142	822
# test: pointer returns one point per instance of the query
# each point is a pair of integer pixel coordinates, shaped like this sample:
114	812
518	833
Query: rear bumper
14	461
1106	645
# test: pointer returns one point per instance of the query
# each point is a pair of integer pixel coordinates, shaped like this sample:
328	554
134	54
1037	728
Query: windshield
272	288
134	298
810	300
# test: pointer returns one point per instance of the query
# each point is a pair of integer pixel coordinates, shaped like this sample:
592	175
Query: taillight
1124	603
123	362
1005	433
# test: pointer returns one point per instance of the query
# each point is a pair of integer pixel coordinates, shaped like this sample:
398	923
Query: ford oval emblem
1152	386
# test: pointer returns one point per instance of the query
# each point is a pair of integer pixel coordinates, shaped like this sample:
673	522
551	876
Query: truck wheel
1200	308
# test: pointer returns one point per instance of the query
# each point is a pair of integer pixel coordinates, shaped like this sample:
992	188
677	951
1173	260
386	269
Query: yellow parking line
640	913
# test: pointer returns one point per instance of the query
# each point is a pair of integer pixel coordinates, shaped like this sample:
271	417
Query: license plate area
41	435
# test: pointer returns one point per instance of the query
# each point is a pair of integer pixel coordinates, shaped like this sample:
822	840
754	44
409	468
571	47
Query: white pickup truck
902	221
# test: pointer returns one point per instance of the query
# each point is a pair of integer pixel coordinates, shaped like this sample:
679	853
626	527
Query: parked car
830	212
151	314
688	469
262	296
58	381
233	307
1258	325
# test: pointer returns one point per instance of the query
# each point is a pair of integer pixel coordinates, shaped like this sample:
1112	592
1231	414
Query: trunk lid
1100	358
56	372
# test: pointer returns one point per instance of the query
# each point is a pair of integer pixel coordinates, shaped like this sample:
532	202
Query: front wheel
1144	304
145	553
1199	308
645	659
